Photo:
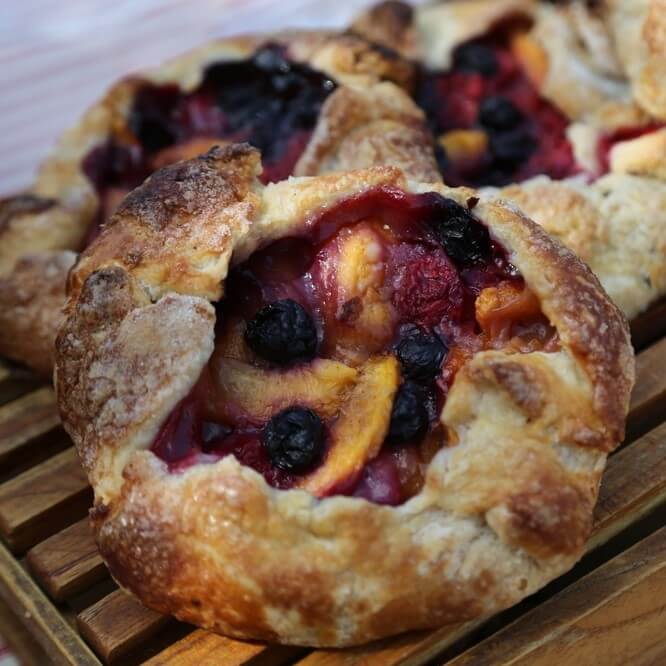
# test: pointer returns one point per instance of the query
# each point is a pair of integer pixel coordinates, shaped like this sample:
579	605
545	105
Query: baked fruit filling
265	100
491	125
335	350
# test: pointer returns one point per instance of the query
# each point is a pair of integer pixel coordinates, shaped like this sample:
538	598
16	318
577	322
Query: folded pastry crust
368	119
602	64
502	512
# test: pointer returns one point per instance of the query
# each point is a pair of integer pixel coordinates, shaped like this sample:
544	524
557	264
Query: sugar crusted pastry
562	108
332	408
313	102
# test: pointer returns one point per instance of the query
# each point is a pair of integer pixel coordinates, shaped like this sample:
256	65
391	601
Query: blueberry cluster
510	140
263	99
464	238
421	355
283	332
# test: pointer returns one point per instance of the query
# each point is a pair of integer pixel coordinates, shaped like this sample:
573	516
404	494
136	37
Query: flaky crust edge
216	545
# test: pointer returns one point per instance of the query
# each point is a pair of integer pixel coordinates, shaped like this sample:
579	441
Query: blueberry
475	58
512	148
499	113
409	417
421	355
294	440
270	59
463	237
282	332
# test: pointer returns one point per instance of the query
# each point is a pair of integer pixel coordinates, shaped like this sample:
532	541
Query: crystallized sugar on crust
503	511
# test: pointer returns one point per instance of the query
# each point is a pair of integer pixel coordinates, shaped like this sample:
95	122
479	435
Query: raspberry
427	288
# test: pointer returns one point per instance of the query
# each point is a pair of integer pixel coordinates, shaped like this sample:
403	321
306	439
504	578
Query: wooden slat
203	648
36	504
26	422
648	400
21	643
46	624
14	382
117	624
634	483
614	615
650	325
68	562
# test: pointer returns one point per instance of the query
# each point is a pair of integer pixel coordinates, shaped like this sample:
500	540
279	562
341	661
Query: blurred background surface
58	56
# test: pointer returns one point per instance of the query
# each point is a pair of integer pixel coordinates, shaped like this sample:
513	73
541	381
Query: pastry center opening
266	100
335	350
491	124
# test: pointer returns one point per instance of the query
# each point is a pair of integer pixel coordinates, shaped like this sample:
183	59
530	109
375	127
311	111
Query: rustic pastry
329	409
312	102
564	105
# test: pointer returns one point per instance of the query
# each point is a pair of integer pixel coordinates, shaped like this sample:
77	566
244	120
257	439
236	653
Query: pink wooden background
58	56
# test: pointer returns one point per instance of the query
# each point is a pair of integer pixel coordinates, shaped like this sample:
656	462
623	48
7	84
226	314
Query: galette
558	106
334	408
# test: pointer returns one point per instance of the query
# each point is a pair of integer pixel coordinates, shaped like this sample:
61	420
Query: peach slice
360	317
242	391
464	144
359	431
531	56
498	307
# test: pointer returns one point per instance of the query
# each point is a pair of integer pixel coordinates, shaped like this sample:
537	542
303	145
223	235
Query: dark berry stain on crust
289	303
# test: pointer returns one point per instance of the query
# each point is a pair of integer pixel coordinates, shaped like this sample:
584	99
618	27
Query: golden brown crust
31	303
504	510
617	225
390	23
360	128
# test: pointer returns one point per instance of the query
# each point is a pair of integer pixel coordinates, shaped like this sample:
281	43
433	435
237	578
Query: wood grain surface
48	626
614	615
43	500
117	624
67	562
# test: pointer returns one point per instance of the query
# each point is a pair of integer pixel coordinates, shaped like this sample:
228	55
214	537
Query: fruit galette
334	408
563	105
312	102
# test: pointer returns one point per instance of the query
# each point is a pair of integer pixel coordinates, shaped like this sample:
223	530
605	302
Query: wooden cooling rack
610	609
